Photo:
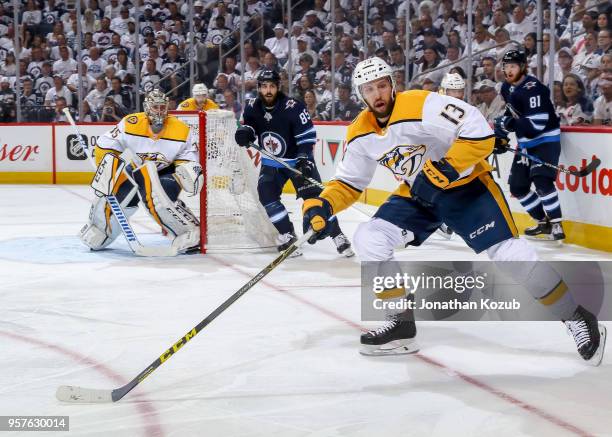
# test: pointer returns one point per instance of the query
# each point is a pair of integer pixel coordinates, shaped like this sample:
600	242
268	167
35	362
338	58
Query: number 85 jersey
423	125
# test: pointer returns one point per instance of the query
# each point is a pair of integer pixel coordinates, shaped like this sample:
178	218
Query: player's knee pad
172	215
376	239
543	185
276	211
103	228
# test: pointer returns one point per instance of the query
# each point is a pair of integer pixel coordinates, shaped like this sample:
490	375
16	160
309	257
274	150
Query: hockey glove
501	145
317	212
304	165
244	135
503	125
431	181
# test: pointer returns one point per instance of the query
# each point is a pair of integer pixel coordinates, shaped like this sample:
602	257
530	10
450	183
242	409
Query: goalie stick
75	394
116	209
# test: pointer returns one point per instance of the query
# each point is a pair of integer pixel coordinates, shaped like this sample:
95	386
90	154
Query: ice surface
282	361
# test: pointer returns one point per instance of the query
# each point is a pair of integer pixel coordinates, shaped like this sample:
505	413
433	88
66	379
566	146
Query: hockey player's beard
268	99
384	114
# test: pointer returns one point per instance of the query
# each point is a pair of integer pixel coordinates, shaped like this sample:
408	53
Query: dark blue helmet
268	76
514	57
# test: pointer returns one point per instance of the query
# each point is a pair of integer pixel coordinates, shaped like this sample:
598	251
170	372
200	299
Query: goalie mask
156	108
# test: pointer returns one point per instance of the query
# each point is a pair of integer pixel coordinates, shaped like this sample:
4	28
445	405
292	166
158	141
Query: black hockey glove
244	135
304	165
317	212
431	181
502	145
503	125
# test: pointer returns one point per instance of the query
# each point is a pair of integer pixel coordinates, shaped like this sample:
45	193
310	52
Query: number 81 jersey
422	126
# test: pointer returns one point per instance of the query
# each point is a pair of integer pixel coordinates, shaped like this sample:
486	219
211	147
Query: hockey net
231	216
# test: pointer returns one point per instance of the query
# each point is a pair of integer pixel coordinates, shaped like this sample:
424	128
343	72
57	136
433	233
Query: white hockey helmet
371	69
452	81
199	89
156	108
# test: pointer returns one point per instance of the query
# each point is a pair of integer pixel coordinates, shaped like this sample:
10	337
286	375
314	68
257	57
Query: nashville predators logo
403	160
132	119
160	160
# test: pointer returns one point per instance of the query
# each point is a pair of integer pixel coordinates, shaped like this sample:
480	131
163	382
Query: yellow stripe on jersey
191	105
497	194
408	107
340	195
555	294
467	152
138	125
149	193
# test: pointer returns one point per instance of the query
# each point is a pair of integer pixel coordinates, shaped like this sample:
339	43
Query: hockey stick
299	173
75	394
116	209
590	167
579	173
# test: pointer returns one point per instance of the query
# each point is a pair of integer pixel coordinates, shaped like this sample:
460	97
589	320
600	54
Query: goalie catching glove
317	212
431	181
190	178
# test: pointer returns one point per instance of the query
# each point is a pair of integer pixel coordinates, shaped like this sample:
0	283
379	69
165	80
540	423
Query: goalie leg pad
102	228
159	195
109	175
190	178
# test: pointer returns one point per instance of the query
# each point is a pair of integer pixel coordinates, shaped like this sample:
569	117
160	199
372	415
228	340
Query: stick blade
589	168
80	395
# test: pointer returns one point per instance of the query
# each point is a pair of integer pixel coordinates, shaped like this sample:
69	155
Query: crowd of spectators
47	67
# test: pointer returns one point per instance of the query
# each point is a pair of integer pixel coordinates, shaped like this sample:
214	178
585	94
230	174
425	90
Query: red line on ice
145	408
462	376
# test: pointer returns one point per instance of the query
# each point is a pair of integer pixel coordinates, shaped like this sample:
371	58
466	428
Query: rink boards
49	153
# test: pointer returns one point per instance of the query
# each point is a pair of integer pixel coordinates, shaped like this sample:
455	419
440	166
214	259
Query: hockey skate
286	240
394	337
542	229
557	233
589	335
343	245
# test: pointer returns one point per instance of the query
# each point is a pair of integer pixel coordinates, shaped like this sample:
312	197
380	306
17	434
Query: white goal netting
231	215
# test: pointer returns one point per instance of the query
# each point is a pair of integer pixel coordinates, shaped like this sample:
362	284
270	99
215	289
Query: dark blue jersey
286	130
537	121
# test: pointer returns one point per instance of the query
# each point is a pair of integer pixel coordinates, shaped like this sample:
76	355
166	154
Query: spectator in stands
322	91
270	62
113	10
279	44
87	80
500	20
431	59
64	66
45	80
530	45
603	21
398	62
493	104
501	41
565	56
110	53
121	95
89	22
602	114
303	84
150	77
58	90
218	32
310	101
231	104
102	38
251	72
58	110
9	68
482	40
305	68
575	108
345	108
587	50
95	64
123	63
603	42
96	97
302	48
111	112
221	84
520	24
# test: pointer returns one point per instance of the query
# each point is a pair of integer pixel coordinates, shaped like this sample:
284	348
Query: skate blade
597	358
395	347
296	253
348	253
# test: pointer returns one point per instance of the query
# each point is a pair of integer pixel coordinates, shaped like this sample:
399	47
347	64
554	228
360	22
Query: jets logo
403	160
274	143
290	104
530	85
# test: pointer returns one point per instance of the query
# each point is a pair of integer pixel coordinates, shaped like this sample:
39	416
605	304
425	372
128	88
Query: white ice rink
282	361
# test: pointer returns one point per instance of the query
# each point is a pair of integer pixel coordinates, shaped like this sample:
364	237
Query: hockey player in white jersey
146	157
437	145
